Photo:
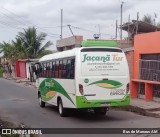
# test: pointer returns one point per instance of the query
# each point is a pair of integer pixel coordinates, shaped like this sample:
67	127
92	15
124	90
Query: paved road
19	103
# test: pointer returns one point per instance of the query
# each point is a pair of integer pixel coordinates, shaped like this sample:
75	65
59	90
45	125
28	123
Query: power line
12	18
49	33
55	26
89	30
6	24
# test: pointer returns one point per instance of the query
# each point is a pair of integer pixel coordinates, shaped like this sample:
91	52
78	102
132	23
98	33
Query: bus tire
101	111
61	109
41	103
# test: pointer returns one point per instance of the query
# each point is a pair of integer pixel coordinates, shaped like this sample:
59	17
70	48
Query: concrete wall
148	43
69	43
130	56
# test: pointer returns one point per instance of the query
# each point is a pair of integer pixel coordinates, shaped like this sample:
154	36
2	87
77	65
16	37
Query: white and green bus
94	76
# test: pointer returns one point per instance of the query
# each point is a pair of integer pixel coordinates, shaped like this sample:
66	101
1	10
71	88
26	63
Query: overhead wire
21	21
89	30
10	25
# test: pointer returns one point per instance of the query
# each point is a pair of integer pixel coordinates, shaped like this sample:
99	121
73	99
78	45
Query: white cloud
83	14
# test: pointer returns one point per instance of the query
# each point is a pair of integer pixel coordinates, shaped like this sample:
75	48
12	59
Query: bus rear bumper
82	102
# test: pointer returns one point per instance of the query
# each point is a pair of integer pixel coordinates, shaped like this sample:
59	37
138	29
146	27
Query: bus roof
67	53
97	43
62	54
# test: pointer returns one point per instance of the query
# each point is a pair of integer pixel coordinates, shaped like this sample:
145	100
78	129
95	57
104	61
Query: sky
86	17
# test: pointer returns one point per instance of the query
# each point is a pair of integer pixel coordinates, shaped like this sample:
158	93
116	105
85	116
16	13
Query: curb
145	112
20	81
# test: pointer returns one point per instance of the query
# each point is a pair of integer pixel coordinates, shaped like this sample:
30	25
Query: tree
45	52
148	19
158	24
8	51
32	42
19	49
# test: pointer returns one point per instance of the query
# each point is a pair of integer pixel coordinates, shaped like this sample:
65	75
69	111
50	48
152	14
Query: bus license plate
105	105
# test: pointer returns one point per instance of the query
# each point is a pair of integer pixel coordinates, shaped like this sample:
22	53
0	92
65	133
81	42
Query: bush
1	71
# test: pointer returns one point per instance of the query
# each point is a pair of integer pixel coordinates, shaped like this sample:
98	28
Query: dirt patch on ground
6	124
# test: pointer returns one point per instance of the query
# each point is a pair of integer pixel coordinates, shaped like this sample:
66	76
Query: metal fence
149	70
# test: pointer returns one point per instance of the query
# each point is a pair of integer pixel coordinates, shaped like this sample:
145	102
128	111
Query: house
146	78
24	69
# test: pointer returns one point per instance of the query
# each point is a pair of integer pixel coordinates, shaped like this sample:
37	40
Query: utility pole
137	23
116	28
70	29
128	28
99	31
61	23
155	16
121	18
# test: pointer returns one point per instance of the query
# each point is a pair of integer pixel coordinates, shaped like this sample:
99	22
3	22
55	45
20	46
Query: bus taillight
127	88
81	89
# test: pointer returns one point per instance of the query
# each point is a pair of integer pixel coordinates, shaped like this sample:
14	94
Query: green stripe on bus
109	84
97	43
82	102
51	85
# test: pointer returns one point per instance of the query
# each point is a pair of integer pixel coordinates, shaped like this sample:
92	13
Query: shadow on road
111	115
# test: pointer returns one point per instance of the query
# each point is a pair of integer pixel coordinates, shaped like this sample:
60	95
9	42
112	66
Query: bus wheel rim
40	100
60	108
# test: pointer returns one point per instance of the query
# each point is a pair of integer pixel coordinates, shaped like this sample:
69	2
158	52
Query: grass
1	71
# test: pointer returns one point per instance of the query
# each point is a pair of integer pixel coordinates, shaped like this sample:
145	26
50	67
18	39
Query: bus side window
53	69
64	71
47	69
60	69
72	68
68	68
43	69
56	69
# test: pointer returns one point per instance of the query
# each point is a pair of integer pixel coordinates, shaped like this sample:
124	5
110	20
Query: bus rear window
103	63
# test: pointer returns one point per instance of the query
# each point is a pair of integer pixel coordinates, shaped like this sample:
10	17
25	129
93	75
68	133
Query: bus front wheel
61	110
41	103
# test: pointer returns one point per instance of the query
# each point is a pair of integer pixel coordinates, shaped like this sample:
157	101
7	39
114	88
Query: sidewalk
24	81
142	107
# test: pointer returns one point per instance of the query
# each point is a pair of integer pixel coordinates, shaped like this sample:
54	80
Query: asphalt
18	104
140	106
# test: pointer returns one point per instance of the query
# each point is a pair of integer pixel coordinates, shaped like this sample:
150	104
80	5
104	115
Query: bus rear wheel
61	110
41	103
101	111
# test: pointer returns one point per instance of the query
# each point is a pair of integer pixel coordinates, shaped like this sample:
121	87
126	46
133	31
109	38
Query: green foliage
33	43
45	52
1	71
27	44
148	19
158	24
8	50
